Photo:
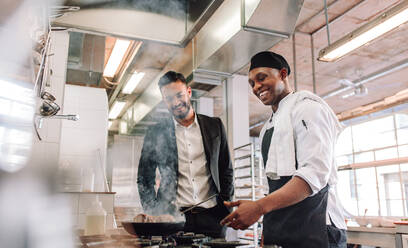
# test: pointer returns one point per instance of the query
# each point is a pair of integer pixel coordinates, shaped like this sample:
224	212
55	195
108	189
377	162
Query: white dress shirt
194	180
315	133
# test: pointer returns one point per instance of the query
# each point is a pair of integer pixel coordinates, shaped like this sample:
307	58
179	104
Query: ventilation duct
226	42
169	21
86	56
221	40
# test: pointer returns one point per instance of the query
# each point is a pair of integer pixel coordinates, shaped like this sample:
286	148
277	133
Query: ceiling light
361	90
116	57
368	32
116	109
133	82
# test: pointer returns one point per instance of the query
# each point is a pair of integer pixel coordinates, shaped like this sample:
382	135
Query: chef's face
177	96
268	84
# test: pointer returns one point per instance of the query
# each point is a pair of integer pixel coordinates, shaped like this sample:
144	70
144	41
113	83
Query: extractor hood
169	21
219	40
235	32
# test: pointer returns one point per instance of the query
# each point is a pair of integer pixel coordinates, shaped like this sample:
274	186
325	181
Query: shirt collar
176	124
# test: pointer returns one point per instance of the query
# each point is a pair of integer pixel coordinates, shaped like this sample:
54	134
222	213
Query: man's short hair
171	77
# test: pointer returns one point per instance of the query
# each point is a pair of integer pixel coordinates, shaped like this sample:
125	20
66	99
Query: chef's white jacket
314	129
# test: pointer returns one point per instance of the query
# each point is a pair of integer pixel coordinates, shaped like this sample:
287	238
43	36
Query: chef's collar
282	102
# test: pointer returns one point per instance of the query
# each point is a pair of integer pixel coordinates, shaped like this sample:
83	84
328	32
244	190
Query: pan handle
198	204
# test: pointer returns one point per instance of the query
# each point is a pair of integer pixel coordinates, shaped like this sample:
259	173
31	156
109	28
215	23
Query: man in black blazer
191	153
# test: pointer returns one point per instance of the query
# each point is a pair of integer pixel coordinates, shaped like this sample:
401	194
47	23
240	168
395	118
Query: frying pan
153	229
223	244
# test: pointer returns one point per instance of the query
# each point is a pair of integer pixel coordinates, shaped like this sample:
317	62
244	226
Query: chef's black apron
299	225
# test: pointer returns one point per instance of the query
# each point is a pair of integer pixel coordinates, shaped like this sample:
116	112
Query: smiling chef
298	149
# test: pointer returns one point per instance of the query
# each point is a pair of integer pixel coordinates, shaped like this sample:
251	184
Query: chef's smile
263	95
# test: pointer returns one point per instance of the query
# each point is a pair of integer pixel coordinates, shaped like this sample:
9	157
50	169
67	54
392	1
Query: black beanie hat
269	59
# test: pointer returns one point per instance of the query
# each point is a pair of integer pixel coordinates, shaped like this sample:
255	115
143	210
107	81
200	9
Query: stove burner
178	240
189	238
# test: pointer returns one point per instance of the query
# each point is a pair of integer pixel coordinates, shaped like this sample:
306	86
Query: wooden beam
373	110
374	163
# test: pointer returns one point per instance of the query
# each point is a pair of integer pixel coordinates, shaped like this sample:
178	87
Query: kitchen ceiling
344	17
216	46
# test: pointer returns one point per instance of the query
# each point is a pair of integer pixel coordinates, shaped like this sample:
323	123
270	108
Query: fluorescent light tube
368	32
132	83
116	57
116	109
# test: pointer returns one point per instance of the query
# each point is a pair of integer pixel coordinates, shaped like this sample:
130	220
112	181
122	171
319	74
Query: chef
297	146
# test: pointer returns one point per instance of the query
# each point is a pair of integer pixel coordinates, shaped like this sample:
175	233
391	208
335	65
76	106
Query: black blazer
160	151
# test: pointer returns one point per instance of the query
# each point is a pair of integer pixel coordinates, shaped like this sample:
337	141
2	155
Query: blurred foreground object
32	214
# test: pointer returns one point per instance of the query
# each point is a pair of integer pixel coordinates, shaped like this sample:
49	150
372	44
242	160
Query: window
367	191
403	151
381	190
373	134
347	191
387	153
344	143
390	190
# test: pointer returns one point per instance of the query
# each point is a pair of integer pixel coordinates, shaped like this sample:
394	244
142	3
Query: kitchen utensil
95	220
49	108
153	229
188	238
47	96
105	180
198	204
223	244
88	180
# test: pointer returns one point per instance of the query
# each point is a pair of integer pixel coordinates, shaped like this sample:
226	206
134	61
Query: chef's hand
247	213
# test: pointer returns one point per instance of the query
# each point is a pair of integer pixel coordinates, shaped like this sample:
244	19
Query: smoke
27	199
123	157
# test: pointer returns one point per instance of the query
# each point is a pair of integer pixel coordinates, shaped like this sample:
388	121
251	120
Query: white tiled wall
47	150
81	140
206	106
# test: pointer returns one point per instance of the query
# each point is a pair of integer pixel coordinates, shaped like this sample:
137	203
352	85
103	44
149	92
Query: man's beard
184	114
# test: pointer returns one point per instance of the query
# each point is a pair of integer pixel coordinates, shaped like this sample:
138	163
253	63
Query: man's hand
247	213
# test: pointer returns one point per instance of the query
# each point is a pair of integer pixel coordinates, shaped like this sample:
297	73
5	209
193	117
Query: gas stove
178	240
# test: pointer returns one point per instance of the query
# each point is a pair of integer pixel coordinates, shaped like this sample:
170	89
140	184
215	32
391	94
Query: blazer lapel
173	143
208	148
206	139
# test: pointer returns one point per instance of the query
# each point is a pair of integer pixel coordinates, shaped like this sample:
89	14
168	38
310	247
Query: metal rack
248	177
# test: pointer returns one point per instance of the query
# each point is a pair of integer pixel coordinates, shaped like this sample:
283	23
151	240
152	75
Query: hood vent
226	43
221	40
86	55
172	22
